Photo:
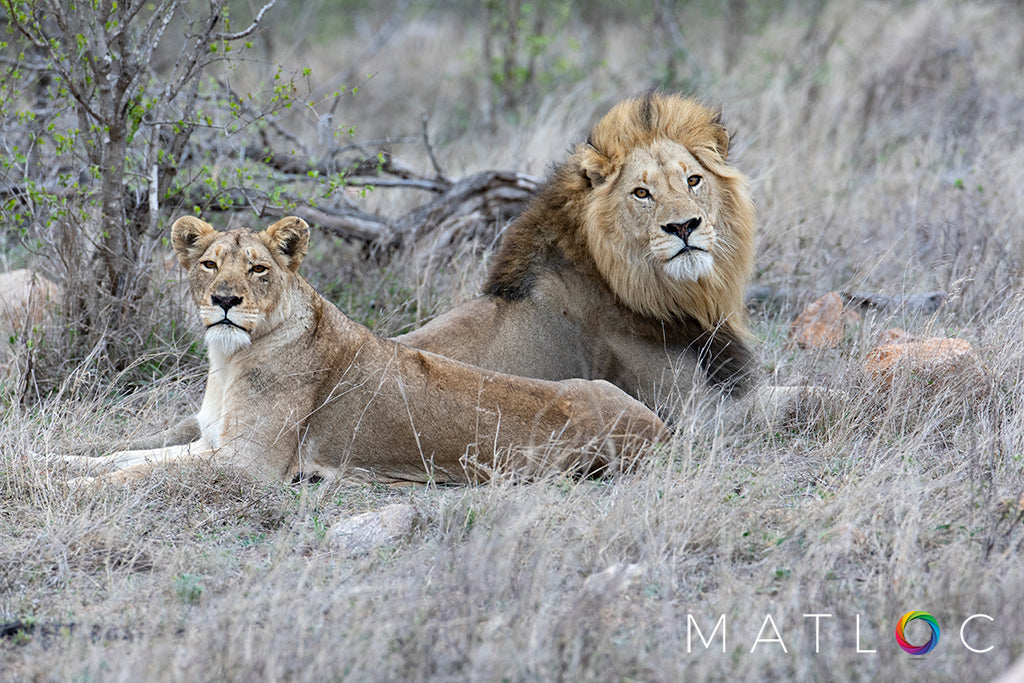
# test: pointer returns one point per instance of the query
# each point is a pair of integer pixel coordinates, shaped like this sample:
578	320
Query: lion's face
667	210
240	280
668	222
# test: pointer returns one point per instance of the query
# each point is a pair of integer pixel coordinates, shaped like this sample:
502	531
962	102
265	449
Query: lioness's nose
225	302
682	230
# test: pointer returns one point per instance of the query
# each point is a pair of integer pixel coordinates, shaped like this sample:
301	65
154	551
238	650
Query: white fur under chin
226	339
690	266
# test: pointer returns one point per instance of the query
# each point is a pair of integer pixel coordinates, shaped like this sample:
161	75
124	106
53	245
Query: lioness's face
239	279
669	209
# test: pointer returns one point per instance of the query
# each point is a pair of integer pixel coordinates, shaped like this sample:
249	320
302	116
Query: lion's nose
682	230
225	302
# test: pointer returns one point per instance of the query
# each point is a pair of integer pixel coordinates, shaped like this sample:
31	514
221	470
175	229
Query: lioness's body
630	265
296	388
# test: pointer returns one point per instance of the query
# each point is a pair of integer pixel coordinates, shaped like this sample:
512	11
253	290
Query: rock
823	324
27	299
363	533
895	335
1015	674
618	578
933	359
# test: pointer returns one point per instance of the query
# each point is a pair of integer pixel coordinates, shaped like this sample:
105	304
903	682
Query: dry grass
885	145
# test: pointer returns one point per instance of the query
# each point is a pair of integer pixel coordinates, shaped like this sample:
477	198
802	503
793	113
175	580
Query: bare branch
251	27
363	172
408	183
347	223
430	150
155	28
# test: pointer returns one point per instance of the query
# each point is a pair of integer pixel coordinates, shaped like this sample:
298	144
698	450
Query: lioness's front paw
83	483
82	463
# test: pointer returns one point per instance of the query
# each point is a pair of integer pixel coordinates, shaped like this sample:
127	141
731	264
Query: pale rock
363	533
618	578
823	324
937	358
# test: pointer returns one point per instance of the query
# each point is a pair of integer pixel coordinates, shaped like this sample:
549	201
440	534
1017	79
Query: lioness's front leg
130	465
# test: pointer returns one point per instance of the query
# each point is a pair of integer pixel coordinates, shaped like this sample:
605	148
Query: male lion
629	265
297	389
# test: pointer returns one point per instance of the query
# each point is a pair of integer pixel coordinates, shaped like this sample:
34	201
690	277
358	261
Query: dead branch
924	303
430	149
369	168
470	208
348	223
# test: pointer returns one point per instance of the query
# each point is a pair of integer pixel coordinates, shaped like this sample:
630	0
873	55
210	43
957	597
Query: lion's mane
559	223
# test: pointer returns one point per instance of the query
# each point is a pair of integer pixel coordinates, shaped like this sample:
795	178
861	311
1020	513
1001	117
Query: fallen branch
924	303
347	223
470	206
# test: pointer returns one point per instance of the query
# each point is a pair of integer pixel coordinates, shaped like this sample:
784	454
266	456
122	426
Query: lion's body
630	265
296	388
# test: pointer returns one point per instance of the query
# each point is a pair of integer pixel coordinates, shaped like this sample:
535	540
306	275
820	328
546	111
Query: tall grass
885	145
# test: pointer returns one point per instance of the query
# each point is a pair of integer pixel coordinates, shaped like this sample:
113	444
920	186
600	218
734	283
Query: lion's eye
209	265
642	193
694	180
259	268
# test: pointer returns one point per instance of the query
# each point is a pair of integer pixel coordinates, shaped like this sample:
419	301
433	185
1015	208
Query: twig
376	45
430	150
409	183
252	27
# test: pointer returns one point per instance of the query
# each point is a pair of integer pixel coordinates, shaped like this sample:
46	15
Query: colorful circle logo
917	649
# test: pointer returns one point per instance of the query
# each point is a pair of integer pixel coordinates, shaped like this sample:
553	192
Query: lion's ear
592	164
721	134
189	238
289	239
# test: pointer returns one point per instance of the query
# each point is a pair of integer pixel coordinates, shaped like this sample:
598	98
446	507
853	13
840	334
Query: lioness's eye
259	268
209	265
693	181
641	193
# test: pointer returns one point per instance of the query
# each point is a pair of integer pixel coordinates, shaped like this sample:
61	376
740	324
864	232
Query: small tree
518	38
95	136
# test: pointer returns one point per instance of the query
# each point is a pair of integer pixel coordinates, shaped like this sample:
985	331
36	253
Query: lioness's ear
288	239
189	238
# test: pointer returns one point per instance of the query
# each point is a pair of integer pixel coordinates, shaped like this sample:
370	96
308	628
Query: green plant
188	588
518	50
101	104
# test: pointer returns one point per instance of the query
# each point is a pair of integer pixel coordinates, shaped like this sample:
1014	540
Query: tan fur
297	389
590	282
28	303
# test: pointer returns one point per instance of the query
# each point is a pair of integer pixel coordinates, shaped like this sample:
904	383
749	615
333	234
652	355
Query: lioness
296	388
